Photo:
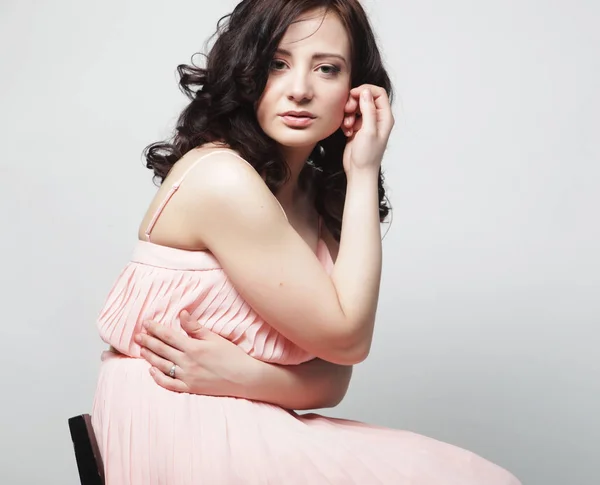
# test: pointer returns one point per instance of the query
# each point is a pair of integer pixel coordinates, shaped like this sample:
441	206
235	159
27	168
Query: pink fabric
150	436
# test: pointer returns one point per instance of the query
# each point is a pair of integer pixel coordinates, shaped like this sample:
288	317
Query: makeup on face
309	82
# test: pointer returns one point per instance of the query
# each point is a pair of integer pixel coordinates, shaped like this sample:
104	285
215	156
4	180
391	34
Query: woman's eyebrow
316	55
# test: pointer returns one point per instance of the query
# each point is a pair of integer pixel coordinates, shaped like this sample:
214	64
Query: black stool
87	453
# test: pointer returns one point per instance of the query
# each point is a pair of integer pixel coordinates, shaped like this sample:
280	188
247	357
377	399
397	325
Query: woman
274	174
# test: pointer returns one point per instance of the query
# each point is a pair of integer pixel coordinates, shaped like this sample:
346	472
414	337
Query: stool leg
87	453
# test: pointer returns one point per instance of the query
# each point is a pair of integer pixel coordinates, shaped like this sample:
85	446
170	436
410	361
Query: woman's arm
311	385
209	364
272	267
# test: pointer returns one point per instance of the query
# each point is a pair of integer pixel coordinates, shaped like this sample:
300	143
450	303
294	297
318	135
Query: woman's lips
297	121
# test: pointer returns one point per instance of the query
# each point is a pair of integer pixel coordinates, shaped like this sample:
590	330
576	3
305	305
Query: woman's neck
290	194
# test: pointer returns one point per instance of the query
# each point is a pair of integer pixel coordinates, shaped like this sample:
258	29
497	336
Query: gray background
487	331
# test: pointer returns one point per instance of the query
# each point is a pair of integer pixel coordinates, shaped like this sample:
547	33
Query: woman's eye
330	70
327	69
277	65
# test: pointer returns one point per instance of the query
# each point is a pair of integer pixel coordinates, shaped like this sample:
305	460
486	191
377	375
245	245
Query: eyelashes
332	70
276	62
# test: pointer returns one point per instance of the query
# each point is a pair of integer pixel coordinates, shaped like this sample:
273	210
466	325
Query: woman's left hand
205	363
367	123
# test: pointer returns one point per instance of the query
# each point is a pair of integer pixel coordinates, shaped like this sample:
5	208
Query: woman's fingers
351	104
166	335
384	110
156	361
384	117
162	380
158	347
376	91
357	124
353	111
382	104
367	109
378	94
350	112
193	327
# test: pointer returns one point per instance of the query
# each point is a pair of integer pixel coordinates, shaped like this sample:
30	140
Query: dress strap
178	183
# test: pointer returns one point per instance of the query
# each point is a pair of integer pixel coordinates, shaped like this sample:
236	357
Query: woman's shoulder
207	158
213	170
216	174
207	176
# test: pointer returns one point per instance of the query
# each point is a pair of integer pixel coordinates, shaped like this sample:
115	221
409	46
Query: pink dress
151	436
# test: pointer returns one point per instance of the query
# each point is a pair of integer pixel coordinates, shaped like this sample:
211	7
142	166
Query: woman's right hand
211	365
368	123
205	363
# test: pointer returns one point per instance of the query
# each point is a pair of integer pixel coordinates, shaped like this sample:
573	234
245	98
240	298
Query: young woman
263	244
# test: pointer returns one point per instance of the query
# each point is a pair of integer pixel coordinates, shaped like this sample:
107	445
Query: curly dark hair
223	96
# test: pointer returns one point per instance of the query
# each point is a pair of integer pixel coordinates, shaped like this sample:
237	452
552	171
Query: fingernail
145	325
152	371
366	94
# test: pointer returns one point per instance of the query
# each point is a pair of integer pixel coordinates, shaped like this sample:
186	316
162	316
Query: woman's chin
300	138
297	141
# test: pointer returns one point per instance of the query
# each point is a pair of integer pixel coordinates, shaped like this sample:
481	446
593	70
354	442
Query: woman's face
309	82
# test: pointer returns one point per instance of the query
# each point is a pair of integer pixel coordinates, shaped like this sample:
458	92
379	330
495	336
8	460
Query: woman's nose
300	87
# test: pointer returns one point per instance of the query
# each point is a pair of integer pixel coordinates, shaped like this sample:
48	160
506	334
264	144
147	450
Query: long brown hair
223	94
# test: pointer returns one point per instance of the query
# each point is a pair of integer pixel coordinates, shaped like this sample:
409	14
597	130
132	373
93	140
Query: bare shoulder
220	187
196	164
220	175
206	178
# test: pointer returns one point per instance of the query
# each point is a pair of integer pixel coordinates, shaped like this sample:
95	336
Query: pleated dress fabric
151	436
